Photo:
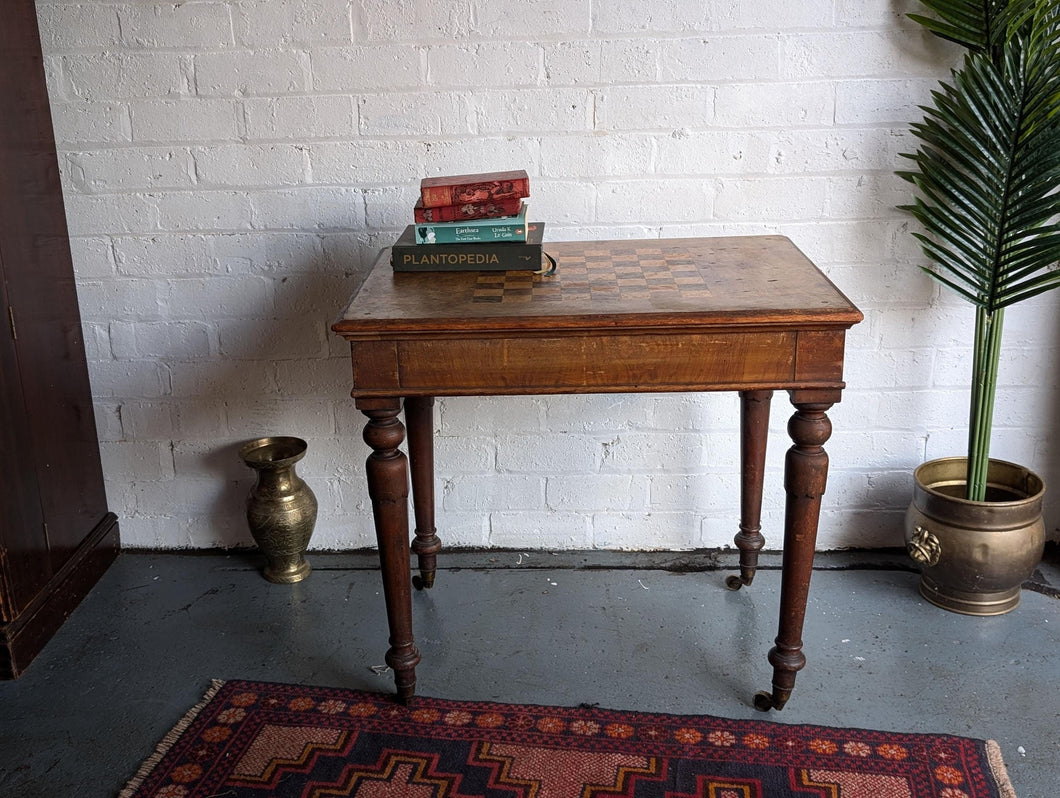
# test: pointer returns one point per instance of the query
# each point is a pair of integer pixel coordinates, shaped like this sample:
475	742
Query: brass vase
281	508
974	556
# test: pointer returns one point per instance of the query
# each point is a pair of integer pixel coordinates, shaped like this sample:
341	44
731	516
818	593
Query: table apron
617	361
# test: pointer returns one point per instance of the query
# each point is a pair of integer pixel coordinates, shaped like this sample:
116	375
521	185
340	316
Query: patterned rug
252	739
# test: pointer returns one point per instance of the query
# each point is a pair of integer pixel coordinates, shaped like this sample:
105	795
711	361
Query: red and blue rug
252	739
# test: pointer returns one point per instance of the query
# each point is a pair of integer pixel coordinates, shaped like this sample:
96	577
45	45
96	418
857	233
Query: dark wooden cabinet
56	534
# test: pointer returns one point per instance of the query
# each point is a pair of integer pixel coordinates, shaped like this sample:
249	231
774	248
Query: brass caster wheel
763	701
733	582
423	582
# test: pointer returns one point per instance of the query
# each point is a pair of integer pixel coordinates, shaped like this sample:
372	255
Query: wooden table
748	314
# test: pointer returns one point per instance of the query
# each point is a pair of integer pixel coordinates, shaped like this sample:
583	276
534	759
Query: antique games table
745	314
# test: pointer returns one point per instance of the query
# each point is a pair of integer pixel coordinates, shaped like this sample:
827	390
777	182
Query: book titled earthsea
408	256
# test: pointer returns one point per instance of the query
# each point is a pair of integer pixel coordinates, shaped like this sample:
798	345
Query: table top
704	282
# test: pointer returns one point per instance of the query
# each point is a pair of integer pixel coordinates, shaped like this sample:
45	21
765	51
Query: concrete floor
627	631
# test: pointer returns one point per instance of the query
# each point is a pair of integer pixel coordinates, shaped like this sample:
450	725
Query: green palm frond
987	175
971	23
979	25
988	169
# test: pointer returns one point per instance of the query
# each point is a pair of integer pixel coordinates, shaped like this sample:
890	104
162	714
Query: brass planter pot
974	556
281	508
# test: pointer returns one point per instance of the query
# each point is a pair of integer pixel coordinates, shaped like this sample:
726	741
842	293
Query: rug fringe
170	739
997	767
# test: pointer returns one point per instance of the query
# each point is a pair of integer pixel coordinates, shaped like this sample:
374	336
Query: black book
408	256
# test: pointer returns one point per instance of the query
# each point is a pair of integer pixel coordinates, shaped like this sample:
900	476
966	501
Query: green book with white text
406	256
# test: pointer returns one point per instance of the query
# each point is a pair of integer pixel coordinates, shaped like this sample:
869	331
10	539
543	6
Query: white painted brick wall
231	168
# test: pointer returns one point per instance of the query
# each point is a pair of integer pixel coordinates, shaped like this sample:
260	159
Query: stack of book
470	223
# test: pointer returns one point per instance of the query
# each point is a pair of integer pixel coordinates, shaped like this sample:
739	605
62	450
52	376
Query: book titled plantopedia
406	256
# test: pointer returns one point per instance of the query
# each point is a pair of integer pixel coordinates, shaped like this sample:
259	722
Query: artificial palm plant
987	174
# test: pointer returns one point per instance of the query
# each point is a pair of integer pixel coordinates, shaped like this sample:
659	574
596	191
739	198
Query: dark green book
408	256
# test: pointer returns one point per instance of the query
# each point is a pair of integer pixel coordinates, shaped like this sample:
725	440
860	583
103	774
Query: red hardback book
467	211
436	192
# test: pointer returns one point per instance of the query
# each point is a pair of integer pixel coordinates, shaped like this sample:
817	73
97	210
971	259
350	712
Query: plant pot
281	508
974	556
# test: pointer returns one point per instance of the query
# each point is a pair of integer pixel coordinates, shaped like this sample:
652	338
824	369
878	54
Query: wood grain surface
657	282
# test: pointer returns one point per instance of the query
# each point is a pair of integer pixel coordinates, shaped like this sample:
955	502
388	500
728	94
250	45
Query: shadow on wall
279	371
1047	451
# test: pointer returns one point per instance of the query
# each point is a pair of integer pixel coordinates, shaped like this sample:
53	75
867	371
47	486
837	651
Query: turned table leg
805	474
419	414
754	431
388	487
